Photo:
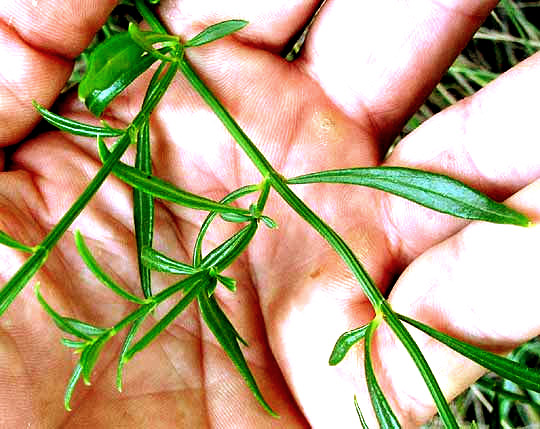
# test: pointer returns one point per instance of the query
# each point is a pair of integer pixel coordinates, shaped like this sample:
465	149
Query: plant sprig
113	65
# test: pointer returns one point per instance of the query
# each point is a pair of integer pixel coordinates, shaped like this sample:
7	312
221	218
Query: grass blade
6	240
143	208
215	32
383	411
228	340
93	266
71	385
75	127
432	190
157	261
345	342
190	294
162	189
509	369
360	415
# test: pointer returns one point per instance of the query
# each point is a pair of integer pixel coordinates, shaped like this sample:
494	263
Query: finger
382	59
487	141
271	24
480	286
38	41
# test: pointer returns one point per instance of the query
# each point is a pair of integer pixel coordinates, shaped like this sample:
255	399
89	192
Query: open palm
365	69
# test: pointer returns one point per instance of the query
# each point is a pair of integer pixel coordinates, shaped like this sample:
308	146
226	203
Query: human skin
367	66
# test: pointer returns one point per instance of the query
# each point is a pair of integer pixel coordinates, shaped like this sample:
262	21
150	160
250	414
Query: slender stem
333	238
12	288
149	17
260	162
422	365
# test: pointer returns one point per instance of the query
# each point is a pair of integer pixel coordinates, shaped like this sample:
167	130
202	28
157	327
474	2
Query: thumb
38	41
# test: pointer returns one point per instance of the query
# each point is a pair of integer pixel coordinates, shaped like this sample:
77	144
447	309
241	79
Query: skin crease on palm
366	67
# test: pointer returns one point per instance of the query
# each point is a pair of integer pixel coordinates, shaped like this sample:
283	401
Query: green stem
422	365
14	286
149	17
234	129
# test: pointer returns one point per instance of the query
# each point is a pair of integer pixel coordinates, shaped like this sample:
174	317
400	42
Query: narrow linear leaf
216	31
146	39
72	344
127	342
182	286
238	193
162	189
431	190
225	254
493	386
71	386
228	341
75	127
156	92
159	327
6	240
383	411
228	282
143	208
509	369
269	222
61	322
236	218
85	328
360	415
345	342
224	320
157	261
90	356
93	266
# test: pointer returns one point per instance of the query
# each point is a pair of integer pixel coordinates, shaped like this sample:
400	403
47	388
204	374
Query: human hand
337	106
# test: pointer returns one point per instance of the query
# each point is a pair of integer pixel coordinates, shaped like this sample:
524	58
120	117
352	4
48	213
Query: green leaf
239	193
157	261
93	266
345	342
360	416
162	189
183	285
229	342
225	254
269	222
228	282
64	324
72	344
127	342
506	368
6	240
216	31
190	294
236	218
224	320
432	190
71	385
113	65
143	208
145	40
85	328
90	356
75	127
383	411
